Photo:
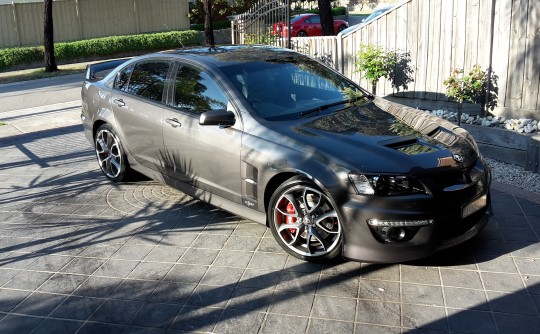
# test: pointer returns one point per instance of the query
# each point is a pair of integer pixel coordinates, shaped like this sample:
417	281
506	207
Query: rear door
207	157
138	102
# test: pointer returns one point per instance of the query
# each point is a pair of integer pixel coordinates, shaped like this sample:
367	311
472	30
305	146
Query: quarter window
148	80
122	78
196	91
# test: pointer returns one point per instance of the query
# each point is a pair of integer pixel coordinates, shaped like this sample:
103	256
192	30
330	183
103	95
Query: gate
264	23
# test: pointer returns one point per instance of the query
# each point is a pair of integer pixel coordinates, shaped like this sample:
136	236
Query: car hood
380	136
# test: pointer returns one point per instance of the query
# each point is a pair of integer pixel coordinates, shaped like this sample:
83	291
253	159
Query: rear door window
148	80
196	91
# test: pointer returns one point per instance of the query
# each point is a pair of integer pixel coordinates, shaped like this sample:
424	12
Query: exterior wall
440	35
21	24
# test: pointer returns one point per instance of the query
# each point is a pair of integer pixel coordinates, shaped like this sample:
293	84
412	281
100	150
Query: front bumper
445	208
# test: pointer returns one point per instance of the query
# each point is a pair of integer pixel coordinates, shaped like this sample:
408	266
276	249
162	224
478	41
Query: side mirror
220	117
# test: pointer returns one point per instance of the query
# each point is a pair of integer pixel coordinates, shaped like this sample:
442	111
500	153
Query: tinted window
196	91
148	80
314	19
279	89
122	78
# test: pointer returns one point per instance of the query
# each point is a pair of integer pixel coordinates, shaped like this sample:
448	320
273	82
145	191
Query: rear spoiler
92	70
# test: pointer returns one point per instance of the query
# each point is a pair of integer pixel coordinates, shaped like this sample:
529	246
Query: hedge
100	47
216	25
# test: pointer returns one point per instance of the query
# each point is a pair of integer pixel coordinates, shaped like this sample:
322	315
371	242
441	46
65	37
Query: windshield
290	88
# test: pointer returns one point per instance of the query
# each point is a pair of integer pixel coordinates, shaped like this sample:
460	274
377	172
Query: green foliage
375	62
337	11
267	39
217	25
468	87
100	47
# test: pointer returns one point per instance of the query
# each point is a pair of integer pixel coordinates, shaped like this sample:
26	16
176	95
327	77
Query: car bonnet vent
408	145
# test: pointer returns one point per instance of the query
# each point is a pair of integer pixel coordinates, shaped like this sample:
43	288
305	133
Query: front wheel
301	33
110	154
341	28
304	221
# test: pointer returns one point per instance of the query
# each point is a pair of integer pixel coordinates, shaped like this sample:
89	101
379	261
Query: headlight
385	185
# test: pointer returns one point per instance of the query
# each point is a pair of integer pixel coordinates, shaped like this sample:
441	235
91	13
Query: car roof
232	54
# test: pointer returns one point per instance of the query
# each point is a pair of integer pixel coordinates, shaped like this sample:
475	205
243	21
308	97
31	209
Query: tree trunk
327	20
48	36
208	23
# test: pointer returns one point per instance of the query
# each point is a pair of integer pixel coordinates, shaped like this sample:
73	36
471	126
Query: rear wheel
301	33
110	154
304	221
341	28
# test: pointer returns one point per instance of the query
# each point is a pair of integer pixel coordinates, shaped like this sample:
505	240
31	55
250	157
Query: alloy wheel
109	153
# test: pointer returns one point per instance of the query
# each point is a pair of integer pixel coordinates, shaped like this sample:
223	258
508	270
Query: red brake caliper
290	220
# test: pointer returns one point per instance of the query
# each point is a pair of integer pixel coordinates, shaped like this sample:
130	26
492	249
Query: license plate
474	206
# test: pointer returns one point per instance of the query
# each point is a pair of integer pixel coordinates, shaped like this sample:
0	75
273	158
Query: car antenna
179	40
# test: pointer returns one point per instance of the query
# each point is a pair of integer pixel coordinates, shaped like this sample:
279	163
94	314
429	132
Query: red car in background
306	25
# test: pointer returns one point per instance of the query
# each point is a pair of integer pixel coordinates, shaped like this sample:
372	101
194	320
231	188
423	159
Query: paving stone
222	276
57	326
77	308
420	275
506	323
291	303
298	282
321	326
379	290
295	264
461	279
63	283
206	295
116	311
39	304
505	264
210	241
267	261
155	315
276	323
11	298
116	268
92	328
503	282
150	271
238	321
465	298
239	259
528	266
132	252
511	303
242	243
173	293
100	287
380	272
28	280
379	313
199	256
165	254
250	299
197	319
134	290
471	321
424	317
374	329
339	286
422	294
80	265
186	273
18	324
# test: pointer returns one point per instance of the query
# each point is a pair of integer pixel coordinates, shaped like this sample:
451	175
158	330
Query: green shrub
337	11
100	47
463	87
374	62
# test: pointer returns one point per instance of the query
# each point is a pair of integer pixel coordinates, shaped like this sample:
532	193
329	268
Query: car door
205	156
138	102
314	26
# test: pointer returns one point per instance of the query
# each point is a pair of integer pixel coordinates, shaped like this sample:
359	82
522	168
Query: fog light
399	223
392	234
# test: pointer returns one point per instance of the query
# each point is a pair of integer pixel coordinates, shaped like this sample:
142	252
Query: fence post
16	24
489	70
79	20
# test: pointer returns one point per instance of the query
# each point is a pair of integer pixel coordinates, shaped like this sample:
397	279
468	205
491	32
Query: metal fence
21	24
436	36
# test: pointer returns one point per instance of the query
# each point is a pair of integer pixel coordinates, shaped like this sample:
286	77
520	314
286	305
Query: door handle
173	122
119	102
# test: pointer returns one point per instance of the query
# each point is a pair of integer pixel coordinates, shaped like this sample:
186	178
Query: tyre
110	154
304	221
301	33
341	28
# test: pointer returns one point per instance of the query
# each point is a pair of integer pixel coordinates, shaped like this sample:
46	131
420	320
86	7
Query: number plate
474	206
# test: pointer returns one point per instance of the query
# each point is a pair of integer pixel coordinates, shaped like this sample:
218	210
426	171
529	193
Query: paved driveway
81	254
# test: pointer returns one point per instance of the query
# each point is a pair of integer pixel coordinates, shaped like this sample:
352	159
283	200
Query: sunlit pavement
81	254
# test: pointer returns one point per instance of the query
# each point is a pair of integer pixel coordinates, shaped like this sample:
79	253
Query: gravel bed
514	175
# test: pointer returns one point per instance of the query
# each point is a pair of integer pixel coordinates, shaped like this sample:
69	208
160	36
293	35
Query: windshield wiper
322	108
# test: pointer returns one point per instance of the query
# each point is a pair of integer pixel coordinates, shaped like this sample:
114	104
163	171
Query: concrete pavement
79	254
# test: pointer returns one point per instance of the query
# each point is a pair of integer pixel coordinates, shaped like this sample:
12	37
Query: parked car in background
376	13
279	138
303	25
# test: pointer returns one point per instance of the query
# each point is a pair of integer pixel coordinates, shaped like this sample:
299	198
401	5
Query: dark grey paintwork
238	167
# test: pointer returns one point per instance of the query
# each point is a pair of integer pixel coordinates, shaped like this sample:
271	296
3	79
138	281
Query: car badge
458	158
